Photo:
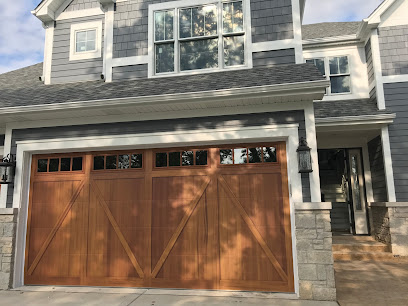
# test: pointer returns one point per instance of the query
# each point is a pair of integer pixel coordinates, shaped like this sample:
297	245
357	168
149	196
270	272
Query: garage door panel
203	226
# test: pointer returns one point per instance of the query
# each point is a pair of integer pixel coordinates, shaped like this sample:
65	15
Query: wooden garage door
208	218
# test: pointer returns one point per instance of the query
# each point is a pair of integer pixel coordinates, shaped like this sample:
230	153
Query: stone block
302	257
324	294
399	226
304	245
7	250
5	260
320	257
321	272
9	229
306	234
5	267
318	247
399	245
328	243
306	290
4	281
307	272
330	272
305	221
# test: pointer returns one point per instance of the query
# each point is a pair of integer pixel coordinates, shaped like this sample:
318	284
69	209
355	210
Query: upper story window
210	36
336	69
86	41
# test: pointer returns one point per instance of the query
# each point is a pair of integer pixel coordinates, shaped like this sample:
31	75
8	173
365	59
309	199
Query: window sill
199	71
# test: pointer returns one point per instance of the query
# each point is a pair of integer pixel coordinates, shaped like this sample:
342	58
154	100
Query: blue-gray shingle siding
129	72
187	124
369	60
62	69
396	100
77	5
273	58
394	49
377	170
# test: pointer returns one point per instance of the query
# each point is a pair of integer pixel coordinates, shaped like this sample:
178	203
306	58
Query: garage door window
57	164
181	158
242	156
118	161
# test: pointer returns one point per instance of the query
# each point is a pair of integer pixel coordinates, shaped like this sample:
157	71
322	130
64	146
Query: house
160	144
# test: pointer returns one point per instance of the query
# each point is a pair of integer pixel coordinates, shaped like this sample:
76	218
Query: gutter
288	89
356	120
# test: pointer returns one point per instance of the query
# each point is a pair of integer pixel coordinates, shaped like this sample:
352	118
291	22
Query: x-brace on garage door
209	218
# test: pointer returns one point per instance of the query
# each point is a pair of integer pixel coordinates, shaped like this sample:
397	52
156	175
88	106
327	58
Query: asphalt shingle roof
22	87
345	108
329	29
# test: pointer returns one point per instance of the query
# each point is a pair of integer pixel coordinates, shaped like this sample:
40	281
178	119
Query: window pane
340	84
165	58
77	164
334	66
163	25
269	155
174	159
137	161
90	45
161	159
201	158
65	164
81	46
91	35
159	25
234	50
226	157
255	155
81	36
233	17
210	12
99	162
199	54
197	21
123	162
42	165
188	158
240	156
54	164
168	24
111	162
343	64
185	23
319	63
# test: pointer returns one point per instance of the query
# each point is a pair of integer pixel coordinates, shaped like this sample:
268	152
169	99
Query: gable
395	15
77	5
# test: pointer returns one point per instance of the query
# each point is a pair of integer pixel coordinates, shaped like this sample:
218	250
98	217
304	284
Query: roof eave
310	90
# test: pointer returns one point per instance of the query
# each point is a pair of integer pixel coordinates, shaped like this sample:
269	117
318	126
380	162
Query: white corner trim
273	45
108	44
6	151
389	171
297	31
367	173
375	52
25	149
80	13
93	25
48	46
311	139
128	61
313	206
395	78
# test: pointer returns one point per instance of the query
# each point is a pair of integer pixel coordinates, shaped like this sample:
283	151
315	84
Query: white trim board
80	13
25	149
395	78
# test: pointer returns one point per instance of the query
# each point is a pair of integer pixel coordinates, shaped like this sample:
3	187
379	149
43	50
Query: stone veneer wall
314	251
8	224
380	224
392	220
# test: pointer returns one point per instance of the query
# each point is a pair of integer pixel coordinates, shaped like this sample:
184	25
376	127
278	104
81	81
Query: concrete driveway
137	297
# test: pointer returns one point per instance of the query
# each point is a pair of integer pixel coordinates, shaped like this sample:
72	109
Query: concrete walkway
137	297
372	283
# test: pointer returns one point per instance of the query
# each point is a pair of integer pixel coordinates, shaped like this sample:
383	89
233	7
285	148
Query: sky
22	35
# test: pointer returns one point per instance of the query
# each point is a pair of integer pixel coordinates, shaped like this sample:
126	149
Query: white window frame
176	6
327	74
79	27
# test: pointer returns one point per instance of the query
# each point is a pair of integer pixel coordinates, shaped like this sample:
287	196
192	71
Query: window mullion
176	41
220	31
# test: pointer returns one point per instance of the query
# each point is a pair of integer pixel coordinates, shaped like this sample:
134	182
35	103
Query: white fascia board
331	41
301	89
375	16
356	120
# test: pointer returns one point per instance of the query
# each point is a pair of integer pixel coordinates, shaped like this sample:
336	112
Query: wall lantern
7	167
304	157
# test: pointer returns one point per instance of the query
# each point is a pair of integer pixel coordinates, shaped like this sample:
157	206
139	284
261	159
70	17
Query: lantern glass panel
305	163
3	174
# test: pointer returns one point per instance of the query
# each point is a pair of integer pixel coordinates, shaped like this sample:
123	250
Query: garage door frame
266	133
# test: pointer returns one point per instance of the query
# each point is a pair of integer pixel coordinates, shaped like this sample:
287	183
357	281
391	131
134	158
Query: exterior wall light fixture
304	157
7	168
